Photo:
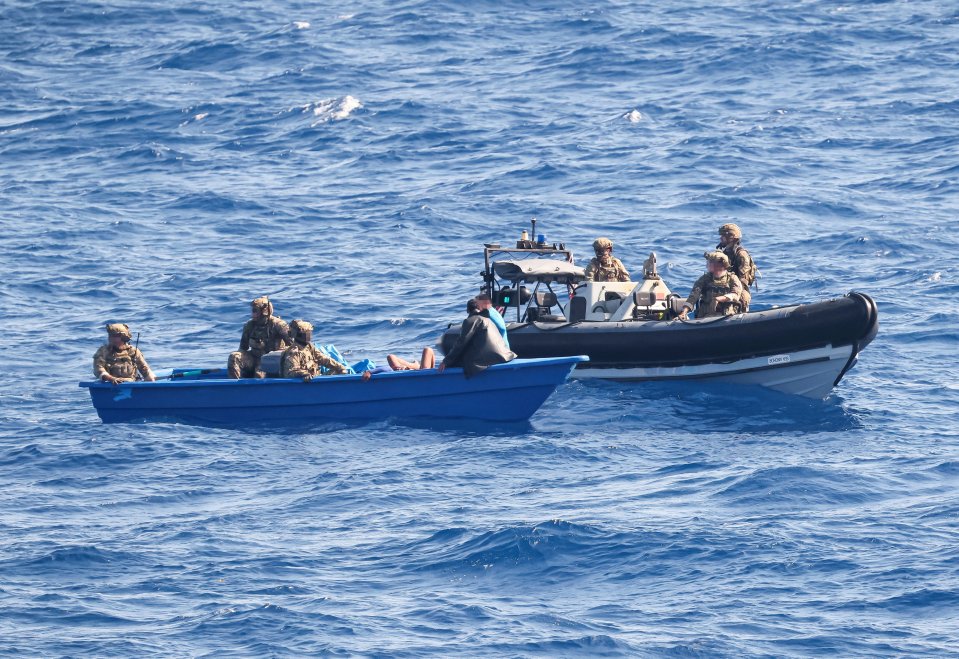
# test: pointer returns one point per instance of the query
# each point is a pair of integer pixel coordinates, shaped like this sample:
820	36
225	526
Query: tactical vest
121	364
299	360
711	290
304	358
608	272
265	337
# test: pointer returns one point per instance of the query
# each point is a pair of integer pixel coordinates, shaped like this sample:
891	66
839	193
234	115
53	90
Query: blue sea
162	164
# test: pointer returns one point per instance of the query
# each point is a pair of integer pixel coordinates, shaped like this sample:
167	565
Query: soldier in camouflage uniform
303	360
717	292
118	361
740	262
263	333
605	266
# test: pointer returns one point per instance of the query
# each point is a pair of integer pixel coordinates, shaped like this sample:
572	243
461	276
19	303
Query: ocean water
162	164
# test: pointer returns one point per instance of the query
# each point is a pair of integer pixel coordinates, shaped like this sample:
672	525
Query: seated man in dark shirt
478	346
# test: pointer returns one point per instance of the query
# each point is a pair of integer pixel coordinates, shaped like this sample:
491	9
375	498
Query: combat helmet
717	257
298	328
120	329
262	302
601	244
732	230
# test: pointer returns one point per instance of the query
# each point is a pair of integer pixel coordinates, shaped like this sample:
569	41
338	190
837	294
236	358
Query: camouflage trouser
744	300
243	365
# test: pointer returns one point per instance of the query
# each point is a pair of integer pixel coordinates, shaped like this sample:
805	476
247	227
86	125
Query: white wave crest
936	276
633	117
301	25
197	117
333	109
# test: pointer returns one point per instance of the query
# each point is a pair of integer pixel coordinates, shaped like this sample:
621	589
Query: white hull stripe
738	367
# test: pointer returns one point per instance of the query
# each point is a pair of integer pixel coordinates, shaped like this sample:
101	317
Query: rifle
136	370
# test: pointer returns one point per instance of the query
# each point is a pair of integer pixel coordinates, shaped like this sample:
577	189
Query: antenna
136	345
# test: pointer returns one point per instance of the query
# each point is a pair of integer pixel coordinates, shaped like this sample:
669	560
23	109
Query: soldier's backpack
749	277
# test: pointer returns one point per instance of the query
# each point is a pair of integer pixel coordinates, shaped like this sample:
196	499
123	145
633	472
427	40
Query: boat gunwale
597	332
519	363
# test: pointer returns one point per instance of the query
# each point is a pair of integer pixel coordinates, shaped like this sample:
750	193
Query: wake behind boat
632	331
504	392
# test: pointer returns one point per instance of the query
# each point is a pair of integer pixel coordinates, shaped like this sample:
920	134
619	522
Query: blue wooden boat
504	392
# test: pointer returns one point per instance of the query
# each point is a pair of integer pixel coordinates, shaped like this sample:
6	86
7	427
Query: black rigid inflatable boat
804	349
630	330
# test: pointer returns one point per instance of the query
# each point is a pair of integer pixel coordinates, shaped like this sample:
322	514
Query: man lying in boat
478	346
426	361
303	360
263	333
717	292
604	266
117	361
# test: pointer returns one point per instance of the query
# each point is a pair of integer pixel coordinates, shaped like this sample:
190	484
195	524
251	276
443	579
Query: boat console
542	283
621	301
